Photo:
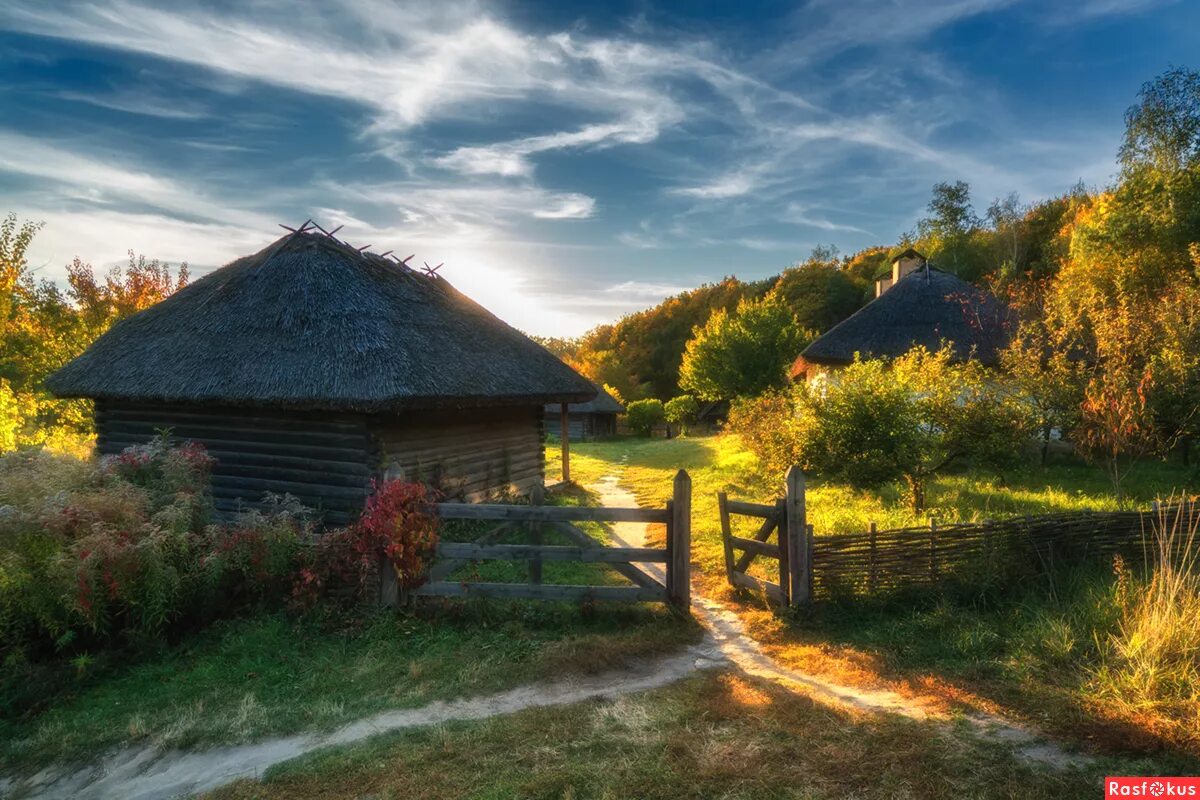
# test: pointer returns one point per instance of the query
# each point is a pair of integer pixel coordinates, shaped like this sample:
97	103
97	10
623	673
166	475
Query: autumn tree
818	292
744	353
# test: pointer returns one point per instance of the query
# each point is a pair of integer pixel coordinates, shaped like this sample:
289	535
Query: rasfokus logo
1151	787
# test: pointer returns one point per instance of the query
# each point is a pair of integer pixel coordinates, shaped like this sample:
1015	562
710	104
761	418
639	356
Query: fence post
932	549
784	571
798	561
564	431
873	575
726	534
536	497
389	585
679	544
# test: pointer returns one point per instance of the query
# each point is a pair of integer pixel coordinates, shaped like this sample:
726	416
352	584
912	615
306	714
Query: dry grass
715	736
1150	666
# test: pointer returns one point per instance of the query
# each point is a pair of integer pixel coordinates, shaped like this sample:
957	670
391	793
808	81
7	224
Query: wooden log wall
1004	551
468	454
320	458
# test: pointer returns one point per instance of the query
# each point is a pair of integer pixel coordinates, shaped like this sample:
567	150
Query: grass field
714	736
1033	652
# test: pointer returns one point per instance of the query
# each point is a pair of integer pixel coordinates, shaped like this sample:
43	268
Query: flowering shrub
397	522
255	558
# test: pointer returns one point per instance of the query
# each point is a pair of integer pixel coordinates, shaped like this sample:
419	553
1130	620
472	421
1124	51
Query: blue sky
568	162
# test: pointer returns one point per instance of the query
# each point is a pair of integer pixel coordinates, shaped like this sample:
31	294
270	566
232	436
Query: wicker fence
976	554
983	553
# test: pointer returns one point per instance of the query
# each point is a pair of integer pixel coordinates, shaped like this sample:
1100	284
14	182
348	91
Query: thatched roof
604	403
310	322
926	307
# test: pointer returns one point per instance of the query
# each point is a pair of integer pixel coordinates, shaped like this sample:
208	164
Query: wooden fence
535	518
792	548
876	562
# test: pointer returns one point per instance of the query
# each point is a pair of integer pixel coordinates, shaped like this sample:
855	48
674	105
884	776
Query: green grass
1033	652
711	736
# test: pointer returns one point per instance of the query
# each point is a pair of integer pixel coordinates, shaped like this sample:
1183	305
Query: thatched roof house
310	367
594	419
922	306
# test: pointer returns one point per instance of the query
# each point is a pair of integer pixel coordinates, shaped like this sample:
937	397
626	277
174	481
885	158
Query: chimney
907	262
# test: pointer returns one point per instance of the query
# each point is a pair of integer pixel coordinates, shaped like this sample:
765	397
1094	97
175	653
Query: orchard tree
681	411
744	353
908	420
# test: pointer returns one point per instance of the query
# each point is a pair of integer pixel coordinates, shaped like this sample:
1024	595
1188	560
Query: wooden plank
631	572
751	509
535	536
549	552
772	591
679	568
796	541
549	513
726	533
754	546
564	425
769	525
443	568
545	591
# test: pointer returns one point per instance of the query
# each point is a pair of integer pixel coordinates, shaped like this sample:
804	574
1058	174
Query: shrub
643	415
256	558
397	522
767	427
682	411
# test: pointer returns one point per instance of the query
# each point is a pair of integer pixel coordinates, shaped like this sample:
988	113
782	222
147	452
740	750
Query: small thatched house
310	368
917	306
594	419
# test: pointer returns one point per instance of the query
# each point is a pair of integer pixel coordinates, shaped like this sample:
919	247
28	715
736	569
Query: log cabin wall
321	458
469	453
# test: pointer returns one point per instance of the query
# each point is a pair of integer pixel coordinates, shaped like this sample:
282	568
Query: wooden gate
791	549
535	518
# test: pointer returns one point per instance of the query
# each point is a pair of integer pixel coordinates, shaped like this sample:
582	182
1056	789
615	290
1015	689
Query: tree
682	411
643	415
908	420
1007	216
1162	131
818	293
744	353
1049	378
948	233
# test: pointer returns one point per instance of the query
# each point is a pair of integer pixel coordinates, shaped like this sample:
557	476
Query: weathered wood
756	547
680	532
772	591
545	591
564	425
633	573
389	585
873	575
535	535
769	526
445	567
549	513
549	552
726	533
799	564
784	565
751	509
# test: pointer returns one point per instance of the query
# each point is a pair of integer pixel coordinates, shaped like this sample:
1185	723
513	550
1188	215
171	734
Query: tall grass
1150	666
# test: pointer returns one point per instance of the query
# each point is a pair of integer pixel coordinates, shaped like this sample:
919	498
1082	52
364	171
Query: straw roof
310	322
604	403
926	307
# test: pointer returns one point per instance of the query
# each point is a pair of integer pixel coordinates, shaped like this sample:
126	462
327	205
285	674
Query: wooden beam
680	533
536	497
549	552
797	540
549	513
564	432
755	546
629	594
631	572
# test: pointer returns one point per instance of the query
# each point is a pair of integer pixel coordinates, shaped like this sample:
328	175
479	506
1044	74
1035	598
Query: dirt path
729	637
148	774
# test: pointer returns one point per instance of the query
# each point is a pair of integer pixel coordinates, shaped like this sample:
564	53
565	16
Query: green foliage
744	353
874	423
819	294
643	415
682	411
42	327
